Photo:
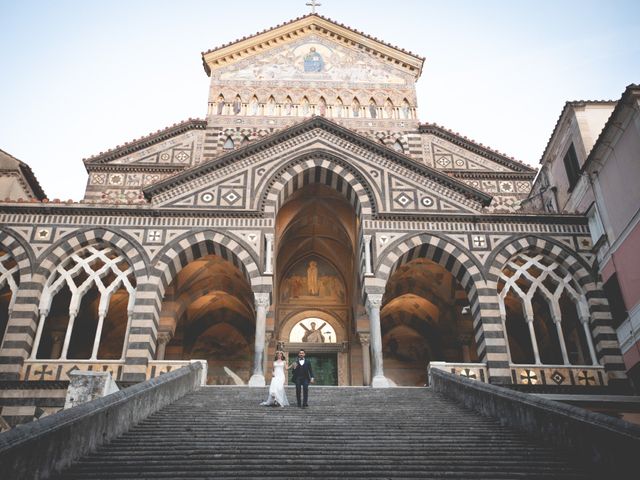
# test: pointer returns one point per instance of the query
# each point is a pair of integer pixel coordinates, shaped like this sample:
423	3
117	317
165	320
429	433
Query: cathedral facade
309	209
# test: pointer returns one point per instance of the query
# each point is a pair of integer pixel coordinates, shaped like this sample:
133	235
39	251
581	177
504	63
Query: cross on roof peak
313	4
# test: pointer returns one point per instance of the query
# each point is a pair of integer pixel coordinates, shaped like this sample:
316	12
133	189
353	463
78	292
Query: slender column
268	263
373	306
366	358
67	337
367	255
265	362
262	304
163	339
534	341
36	342
563	345
96	342
56	347
464	346
584	320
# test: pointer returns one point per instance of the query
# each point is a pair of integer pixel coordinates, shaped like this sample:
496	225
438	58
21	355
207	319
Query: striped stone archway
169	261
601	324
26	318
23	316
487	324
320	167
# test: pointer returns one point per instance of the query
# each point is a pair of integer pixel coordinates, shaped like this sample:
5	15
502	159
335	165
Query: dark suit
302	375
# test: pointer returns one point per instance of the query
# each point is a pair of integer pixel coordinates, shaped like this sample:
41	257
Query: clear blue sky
79	77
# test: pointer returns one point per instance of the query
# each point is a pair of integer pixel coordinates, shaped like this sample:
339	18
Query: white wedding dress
277	395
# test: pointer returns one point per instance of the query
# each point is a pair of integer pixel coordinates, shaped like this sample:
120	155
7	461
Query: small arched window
397	146
228	144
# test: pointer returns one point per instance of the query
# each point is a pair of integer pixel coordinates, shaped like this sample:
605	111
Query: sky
80	77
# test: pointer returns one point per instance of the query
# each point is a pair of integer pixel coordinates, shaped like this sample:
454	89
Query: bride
277	395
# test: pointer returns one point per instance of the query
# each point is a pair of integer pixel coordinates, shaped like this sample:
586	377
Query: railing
59	370
473	371
581	375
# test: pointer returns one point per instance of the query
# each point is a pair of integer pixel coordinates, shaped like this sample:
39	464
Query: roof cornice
330	126
247	46
475	147
146	210
145	142
624	108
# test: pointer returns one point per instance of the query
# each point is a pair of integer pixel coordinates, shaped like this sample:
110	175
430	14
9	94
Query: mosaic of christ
312	279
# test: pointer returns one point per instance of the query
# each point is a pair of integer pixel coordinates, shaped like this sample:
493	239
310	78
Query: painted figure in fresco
373	111
253	107
305	106
338	108
322	107
271	106
237	106
313	335
388	109
313	61
312	279
220	105
405	110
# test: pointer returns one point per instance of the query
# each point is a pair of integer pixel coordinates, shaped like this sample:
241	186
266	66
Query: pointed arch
355	107
228	143
600	321
321	168
464	267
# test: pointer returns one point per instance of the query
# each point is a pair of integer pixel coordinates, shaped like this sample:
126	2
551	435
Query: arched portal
207	314
316	279
425	317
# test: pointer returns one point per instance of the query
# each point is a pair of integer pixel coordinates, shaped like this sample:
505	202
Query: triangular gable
449	151
172	145
236	180
309	24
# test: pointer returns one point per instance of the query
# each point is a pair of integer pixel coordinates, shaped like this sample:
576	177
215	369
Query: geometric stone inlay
557	377
403	199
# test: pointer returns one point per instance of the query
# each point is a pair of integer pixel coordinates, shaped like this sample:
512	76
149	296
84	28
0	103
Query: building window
572	167
616	302
595	225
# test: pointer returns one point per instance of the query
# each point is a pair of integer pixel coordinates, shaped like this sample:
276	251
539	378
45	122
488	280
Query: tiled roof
315	122
323	18
477	147
567	105
146	141
626	98
29	176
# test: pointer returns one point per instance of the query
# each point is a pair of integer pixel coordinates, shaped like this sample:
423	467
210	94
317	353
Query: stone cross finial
313	4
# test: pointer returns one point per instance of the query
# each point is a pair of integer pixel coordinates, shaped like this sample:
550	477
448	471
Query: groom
302	375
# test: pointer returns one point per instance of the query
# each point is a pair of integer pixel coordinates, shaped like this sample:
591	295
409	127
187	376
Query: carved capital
164	337
374	301
262	300
365	339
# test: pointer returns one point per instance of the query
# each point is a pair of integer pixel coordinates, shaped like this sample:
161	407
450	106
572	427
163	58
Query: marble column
367	255
267	362
464	346
374	301
268	263
56	344
534	341
163	339
365	342
262	304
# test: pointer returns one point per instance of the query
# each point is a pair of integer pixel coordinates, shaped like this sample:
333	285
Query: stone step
222	432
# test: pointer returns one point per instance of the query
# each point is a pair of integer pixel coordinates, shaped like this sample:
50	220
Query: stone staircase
349	432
